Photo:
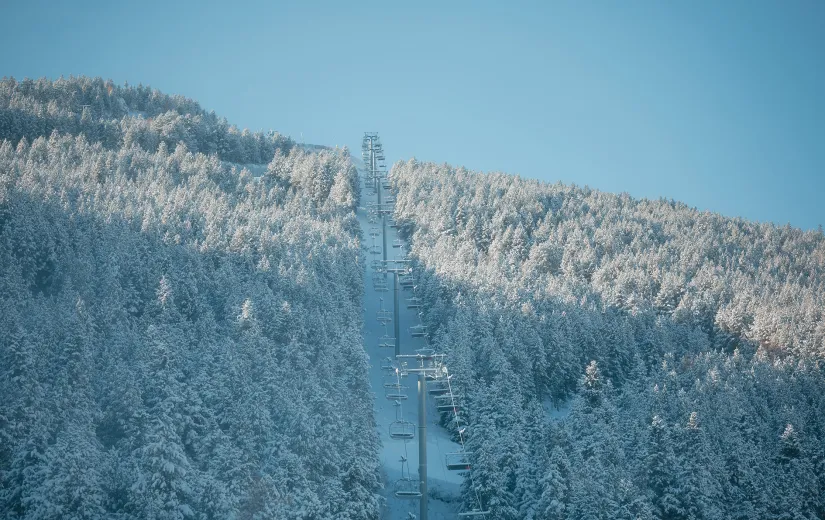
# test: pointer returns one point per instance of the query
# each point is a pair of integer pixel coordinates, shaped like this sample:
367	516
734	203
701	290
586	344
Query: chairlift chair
395	395
402	430
418	331
386	342
438	390
457	461
449	407
393	384
406	487
439	387
474	512
397	243
414	302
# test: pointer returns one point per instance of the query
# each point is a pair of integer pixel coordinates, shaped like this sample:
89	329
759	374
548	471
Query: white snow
558	411
254	169
441	482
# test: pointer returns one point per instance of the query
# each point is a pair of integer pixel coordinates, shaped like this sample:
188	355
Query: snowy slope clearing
444	485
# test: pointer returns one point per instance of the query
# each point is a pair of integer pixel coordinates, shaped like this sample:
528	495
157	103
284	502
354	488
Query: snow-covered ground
254	169
558	411
442	483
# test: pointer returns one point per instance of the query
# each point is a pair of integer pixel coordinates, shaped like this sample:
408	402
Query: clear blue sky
720	104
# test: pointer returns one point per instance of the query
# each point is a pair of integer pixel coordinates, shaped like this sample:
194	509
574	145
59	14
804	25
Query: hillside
688	345
177	331
186	333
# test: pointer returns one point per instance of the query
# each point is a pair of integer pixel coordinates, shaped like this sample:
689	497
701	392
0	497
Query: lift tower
426	364
373	154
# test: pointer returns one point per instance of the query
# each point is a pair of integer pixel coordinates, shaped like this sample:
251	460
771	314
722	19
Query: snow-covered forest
182	332
687	346
180	338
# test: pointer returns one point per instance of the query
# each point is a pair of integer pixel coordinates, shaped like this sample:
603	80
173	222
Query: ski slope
444	485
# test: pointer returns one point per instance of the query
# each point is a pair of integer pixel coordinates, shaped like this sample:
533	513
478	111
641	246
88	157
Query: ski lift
457	461
414	302
448	407
402	430
395	395
397	243
388	366
440	387
447	398
406	487
418	331
381	287
374	232
386	342
474	512
383	315
393	384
